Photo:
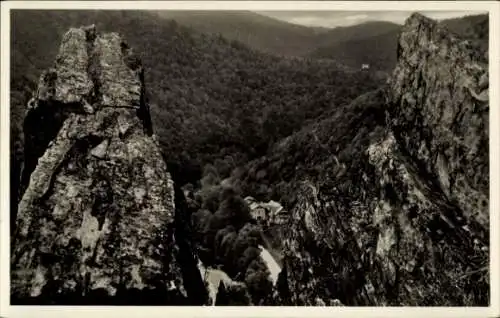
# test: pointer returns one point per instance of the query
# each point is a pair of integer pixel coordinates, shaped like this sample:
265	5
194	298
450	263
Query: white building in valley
271	212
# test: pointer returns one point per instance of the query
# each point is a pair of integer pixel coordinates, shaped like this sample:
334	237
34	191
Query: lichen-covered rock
425	245
403	243
69	80
95	221
439	111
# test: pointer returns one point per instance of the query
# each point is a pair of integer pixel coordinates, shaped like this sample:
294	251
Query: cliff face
96	215
394	211
439	112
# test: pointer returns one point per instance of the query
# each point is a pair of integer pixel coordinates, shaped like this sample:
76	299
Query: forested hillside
211	98
274	36
378	52
255	30
378	46
372	43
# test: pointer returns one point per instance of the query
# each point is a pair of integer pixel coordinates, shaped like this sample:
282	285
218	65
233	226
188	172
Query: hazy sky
332	19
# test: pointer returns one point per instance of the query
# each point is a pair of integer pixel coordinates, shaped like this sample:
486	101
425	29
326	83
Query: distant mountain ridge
255	30
378	49
272	35
371	42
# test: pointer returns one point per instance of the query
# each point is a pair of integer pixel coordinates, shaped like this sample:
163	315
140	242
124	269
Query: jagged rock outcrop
393	210
431	251
439	111
95	223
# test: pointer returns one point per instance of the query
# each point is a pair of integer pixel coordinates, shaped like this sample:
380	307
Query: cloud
357	17
332	19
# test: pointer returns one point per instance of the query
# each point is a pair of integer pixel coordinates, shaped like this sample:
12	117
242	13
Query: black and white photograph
204	157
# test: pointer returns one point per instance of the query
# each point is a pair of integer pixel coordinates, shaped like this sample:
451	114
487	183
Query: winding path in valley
272	265
214	276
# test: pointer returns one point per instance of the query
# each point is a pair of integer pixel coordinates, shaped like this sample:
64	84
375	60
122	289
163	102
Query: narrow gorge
379	196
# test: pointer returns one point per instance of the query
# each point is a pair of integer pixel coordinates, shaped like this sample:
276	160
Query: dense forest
379	48
372	42
347	130
252	29
211	98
